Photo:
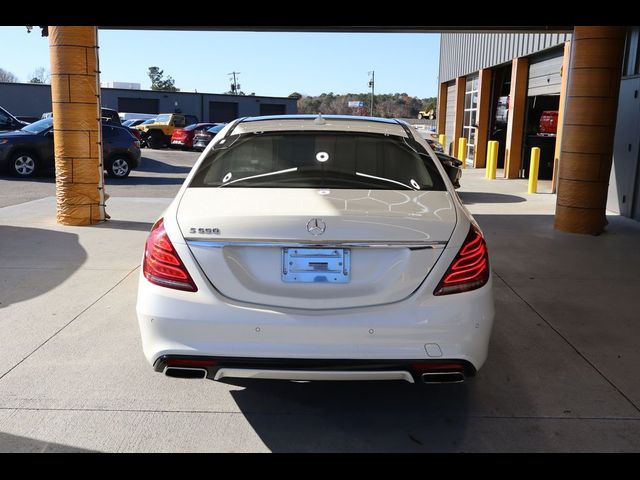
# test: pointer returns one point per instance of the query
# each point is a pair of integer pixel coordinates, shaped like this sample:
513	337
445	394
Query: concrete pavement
160	174
561	374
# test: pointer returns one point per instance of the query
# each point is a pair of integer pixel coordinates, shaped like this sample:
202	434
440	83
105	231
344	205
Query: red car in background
548	123
183	137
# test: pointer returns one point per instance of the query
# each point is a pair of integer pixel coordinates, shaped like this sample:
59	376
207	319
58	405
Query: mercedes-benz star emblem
315	226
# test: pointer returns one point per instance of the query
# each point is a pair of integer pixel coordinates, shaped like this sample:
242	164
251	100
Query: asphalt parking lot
160	174
561	374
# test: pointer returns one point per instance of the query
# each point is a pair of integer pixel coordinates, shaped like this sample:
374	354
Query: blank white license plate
316	265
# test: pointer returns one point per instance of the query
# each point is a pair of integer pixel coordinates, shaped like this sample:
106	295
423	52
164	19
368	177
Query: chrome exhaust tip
443	377
185	372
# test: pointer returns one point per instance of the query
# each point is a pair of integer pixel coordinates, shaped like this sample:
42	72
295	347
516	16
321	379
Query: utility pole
234	86
372	82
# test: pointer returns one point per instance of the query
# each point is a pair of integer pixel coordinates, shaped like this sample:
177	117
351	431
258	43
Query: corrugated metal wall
464	53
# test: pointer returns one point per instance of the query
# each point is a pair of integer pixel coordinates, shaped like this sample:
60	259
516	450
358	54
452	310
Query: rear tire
155	139
24	164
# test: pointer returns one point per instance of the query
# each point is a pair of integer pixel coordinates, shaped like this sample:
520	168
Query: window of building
469	127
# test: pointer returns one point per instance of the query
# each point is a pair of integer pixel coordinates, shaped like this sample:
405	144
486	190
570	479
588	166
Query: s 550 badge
206	231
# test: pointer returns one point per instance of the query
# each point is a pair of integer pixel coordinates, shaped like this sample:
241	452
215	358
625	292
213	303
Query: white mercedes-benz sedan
316	248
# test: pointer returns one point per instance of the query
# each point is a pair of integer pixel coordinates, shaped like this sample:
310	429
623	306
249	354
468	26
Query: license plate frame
316	265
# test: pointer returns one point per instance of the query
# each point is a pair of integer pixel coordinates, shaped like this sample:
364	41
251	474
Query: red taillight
136	133
162	265
470	269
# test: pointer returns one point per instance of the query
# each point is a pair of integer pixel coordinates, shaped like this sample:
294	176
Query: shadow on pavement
140	180
126	225
16	444
354	416
34	261
469	198
149	165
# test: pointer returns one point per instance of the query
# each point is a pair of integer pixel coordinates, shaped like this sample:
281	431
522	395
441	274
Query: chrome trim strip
311	375
312	244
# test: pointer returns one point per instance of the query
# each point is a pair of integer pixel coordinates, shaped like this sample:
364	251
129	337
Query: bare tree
40	75
7	76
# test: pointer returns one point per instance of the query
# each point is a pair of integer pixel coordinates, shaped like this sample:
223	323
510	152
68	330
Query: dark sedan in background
25	152
452	166
202	138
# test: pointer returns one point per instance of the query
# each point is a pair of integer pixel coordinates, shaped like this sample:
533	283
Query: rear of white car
309	248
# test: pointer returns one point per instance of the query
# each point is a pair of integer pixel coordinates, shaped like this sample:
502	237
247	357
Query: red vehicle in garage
183	137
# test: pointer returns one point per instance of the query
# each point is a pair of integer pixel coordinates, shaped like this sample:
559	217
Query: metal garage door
223	111
544	76
272	109
139	105
451	116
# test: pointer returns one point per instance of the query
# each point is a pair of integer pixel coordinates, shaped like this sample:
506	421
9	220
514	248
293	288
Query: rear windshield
319	160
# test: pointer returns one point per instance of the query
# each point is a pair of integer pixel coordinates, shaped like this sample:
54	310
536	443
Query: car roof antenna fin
319	120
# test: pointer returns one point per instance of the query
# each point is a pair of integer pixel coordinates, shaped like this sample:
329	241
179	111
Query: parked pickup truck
158	134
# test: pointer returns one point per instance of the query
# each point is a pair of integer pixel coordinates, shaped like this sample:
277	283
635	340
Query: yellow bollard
442	140
487	168
462	151
533	170
493	159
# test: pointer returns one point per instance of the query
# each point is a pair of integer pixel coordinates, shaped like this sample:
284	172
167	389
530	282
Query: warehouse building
512	87
32	100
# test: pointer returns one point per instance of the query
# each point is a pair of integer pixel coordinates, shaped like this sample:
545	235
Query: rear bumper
217	368
421	327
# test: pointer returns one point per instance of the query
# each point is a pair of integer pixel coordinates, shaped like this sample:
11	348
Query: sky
270	63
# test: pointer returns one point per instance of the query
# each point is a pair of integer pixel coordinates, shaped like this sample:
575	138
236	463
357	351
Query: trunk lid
242	248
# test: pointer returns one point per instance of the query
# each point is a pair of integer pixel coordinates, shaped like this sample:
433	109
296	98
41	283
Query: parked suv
26	151
158	134
8	122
